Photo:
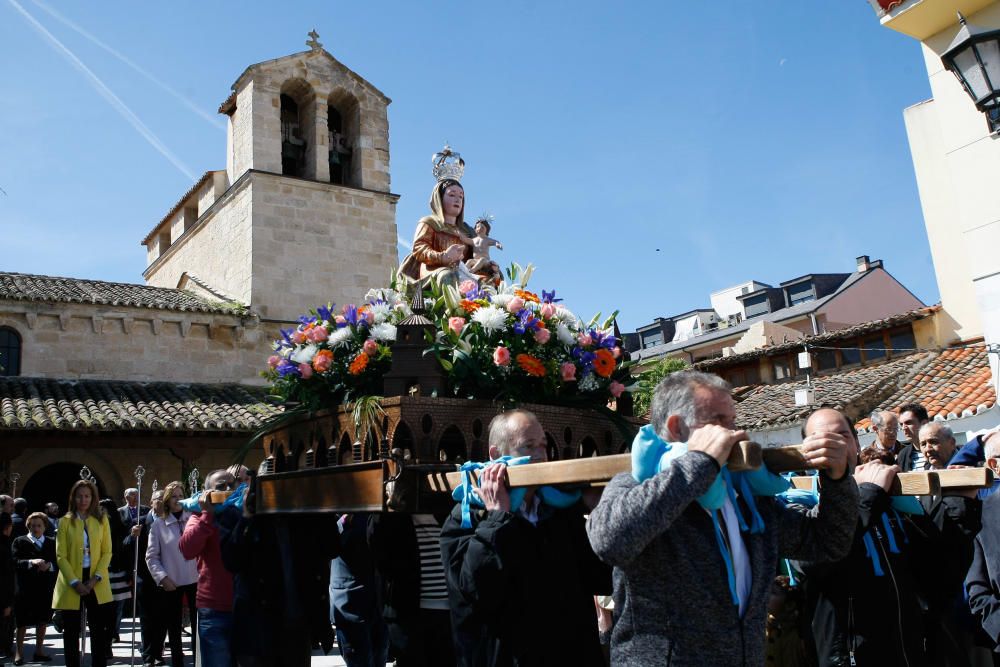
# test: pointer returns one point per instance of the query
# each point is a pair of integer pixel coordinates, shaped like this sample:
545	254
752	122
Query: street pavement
123	650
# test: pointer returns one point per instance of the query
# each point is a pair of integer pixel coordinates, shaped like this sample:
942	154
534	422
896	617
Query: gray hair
876	417
675	396
502	429
130	491
943	429
991	444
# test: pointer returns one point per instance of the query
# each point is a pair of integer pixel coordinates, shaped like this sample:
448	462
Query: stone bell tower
302	214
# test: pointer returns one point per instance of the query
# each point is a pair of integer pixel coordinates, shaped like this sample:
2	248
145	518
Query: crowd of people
678	562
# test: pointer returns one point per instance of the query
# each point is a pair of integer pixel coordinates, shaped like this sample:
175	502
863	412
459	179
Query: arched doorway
52	483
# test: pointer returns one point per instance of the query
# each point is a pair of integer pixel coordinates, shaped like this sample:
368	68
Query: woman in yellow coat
83	553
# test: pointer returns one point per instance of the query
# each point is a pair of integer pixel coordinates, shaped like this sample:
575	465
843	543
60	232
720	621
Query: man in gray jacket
689	587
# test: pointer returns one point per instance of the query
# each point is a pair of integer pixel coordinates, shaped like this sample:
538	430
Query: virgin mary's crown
448	165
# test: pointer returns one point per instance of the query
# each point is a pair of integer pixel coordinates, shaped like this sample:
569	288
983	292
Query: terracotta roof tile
108	405
958	379
855	391
28	287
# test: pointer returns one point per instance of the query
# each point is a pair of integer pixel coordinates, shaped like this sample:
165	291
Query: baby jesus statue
480	262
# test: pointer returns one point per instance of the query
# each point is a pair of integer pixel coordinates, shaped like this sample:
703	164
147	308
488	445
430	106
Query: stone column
318	155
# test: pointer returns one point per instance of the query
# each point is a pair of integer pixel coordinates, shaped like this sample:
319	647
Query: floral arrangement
338	357
494	342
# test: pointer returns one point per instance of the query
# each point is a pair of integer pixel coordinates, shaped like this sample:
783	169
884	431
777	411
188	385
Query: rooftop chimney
863	263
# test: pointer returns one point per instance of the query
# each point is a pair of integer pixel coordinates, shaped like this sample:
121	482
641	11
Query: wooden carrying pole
598	470
928	482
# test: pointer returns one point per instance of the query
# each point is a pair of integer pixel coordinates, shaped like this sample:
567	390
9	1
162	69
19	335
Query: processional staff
140	472
14	479
193	481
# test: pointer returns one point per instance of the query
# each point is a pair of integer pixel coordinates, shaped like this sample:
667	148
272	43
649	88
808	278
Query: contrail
211	118
106	93
403	242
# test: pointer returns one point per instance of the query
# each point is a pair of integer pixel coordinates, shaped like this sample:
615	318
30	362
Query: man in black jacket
521	580
864	609
982	584
942	554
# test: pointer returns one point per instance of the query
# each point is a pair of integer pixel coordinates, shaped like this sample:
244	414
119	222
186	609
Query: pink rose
617	352
616	388
585	340
370	347
542	336
370	317
456	324
501	356
340	320
306	371
298	337
466	287
273	360
515	305
568	370
547	310
317	335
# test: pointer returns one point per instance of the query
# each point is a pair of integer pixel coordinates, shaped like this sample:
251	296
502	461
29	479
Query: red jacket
215	583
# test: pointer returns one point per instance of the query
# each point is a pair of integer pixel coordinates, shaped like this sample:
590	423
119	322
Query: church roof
29	287
229	105
43	404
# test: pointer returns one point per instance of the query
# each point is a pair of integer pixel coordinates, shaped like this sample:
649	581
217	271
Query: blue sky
743	140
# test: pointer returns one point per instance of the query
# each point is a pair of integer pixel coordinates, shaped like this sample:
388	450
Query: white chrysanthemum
381	311
340	337
502	300
384	332
564	314
565	336
491	318
304	355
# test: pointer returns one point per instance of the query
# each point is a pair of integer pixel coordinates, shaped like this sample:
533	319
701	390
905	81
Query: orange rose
469	306
604	362
531	365
359	364
321	362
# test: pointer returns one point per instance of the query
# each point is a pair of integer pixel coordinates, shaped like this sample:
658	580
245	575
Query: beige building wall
81	341
218	249
957	162
313	243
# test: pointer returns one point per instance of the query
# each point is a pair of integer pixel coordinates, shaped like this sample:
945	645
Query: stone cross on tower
313	41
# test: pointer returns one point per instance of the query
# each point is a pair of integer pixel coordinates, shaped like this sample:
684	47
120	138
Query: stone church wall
82	341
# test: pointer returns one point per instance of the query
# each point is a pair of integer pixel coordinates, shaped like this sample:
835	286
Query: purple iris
549	297
585	357
351	314
286	368
526	321
602	339
477	293
324	312
306	319
286	334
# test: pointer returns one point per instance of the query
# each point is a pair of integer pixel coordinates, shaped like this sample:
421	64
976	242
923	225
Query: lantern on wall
974	58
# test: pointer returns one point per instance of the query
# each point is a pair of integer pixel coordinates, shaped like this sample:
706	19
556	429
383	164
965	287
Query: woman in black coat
35	562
